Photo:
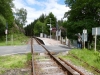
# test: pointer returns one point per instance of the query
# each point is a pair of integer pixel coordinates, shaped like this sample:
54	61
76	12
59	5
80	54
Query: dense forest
83	14
40	25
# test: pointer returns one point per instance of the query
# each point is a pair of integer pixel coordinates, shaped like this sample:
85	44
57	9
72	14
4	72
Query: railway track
47	64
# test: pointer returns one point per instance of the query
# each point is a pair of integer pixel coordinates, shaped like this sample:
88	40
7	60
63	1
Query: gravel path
17	72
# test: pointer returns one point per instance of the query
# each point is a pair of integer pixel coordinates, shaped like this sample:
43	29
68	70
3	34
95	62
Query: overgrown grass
89	56
14	61
15	39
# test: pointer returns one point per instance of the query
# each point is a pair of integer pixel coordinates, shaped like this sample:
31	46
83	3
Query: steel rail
69	72
32	62
71	66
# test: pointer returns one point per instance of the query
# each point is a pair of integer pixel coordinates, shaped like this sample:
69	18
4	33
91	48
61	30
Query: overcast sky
36	7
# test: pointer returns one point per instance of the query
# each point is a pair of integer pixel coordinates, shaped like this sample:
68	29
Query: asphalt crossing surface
57	48
9	50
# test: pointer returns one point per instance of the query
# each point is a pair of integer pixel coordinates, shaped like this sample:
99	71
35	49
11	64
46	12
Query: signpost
95	32
84	37
50	27
6	32
84	34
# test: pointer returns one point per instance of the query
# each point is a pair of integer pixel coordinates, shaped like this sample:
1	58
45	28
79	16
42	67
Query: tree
29	29
20	17
83	14
6	11
40	25
38	28
53	19
6	15
42	18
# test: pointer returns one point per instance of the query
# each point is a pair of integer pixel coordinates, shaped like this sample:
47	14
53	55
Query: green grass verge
18	39
89	56
14	61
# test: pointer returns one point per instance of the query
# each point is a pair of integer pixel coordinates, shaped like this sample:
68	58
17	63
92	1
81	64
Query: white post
50	28
60	35
84	32
95	40
6	31
50	31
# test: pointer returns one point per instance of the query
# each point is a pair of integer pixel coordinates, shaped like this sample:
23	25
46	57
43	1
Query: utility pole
50	28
